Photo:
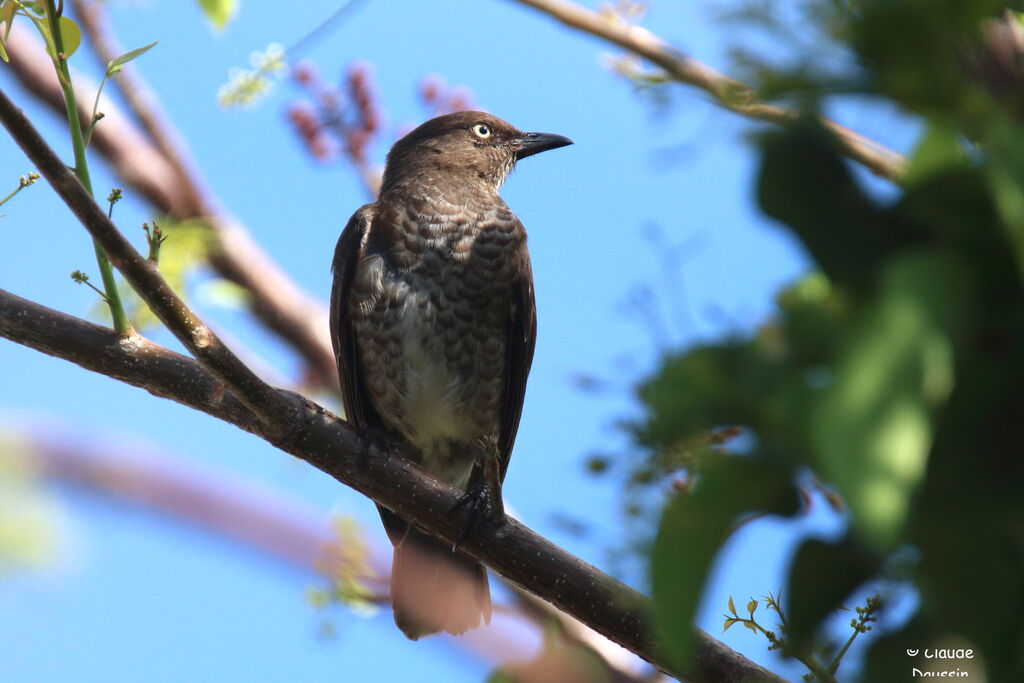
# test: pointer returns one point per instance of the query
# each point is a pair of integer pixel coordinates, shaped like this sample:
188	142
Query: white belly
433	405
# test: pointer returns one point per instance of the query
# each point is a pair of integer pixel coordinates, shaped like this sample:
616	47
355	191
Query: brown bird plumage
433	324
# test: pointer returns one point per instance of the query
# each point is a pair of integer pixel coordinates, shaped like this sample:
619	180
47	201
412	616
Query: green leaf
732	607
219	12
806	185
71	35
970	512
7	17
752	607
693	529
938	151
115	64
873	427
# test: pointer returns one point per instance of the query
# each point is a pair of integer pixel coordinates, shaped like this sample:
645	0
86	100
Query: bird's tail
434	589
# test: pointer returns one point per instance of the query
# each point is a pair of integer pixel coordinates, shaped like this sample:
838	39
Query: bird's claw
479	500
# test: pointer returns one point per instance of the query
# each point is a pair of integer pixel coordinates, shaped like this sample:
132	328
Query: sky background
129	595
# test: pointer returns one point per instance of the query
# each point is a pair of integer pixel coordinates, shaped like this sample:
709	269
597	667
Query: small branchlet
247	86
23	182
777	638
83	279
97	116
113	198
346	562
860	624
154	238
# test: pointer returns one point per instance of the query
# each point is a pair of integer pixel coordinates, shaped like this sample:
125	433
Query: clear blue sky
131	596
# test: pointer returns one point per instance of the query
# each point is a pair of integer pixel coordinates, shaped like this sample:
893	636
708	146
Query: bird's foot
483	495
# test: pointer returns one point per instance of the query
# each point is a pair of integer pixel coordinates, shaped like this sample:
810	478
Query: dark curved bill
533	143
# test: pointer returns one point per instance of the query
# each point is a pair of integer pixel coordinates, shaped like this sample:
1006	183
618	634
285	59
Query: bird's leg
483	494
492	478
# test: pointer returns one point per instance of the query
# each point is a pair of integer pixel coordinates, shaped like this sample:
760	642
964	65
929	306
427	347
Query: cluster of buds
440	98
336	120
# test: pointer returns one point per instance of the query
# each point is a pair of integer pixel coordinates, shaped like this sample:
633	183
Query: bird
433	324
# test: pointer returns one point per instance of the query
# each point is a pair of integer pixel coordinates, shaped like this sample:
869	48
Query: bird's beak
532	143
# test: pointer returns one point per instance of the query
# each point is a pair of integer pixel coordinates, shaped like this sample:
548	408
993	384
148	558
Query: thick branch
311	433
142	273
285	531
726	91
166	180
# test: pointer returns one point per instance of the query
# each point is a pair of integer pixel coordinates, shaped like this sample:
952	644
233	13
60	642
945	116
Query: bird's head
463	149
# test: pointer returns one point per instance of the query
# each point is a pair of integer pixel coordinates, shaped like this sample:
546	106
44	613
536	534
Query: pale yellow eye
482	130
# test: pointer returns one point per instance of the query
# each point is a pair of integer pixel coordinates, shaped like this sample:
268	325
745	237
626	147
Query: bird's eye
482	130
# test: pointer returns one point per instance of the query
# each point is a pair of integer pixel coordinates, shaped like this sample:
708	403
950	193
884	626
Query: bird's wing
522	337
358	410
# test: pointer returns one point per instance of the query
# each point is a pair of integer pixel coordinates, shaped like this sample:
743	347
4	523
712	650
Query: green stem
821	674
9	197
117	314
834	665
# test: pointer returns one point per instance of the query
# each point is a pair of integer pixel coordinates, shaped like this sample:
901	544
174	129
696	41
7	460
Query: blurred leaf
822	575
938	151
27	516
970	512
219	12
501	676
918	50
704	388
1009	199
188	245
7	17
693	529
226	294
873	426
345	561
846	234
1006	180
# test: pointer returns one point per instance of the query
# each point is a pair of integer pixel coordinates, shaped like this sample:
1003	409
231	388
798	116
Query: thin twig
262	399
726	91
275	299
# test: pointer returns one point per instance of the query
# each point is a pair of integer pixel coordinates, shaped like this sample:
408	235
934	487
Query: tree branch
313	434
727	92
168	183
142	274
286	532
